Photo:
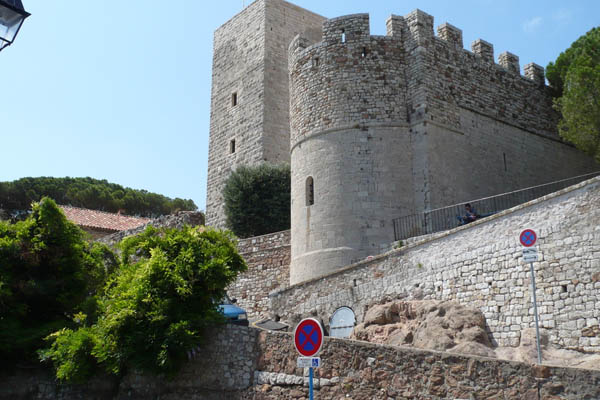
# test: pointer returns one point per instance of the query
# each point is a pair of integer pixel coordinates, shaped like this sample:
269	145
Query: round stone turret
350	146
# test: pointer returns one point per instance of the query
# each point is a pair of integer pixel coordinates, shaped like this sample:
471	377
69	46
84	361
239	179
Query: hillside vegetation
89	193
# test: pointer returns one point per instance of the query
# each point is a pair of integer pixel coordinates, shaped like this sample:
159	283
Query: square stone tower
249	118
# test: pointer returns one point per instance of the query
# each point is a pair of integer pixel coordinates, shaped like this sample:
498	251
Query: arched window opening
310	191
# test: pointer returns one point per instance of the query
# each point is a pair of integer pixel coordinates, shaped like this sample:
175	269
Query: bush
257	200
155	308
48	272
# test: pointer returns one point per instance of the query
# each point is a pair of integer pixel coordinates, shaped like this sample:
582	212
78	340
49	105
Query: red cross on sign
308	337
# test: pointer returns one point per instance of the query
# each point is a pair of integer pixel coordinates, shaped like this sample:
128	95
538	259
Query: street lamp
12	15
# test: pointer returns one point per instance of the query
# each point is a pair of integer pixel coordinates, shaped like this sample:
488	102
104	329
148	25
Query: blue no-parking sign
528	237
308	337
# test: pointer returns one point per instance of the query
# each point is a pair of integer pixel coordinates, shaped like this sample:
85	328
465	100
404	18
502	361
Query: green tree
580	106
88	193
47	274
575	78
155	308
257	199
588	45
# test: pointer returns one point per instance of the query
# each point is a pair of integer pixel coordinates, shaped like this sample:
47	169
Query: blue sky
121	90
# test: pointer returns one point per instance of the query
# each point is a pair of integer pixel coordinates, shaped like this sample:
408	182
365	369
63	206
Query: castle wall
488	129
268	259
480	264
335	84
465	128
355	196
487	157
250	61
244	363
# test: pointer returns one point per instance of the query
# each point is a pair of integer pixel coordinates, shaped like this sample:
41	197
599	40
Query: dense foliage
257	199
587	45
156	306
48	272
576	79
88	193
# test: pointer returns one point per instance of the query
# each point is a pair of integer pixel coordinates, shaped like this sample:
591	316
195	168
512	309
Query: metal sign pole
310	383
537	326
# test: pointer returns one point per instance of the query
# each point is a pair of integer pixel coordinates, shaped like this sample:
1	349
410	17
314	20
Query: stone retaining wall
268	259
245	363
481	265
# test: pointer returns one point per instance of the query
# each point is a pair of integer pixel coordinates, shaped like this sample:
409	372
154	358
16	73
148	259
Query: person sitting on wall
470	215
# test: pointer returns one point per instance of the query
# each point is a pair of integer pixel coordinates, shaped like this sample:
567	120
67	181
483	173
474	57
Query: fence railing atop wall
446	218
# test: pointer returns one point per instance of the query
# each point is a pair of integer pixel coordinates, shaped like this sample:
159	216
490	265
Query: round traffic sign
527	237
308	337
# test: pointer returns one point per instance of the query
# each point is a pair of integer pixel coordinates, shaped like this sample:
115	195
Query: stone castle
375	127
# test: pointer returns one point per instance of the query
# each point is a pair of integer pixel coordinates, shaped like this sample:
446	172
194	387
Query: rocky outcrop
452	327
431	325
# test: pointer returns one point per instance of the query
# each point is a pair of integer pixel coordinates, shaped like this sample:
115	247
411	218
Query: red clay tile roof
102	220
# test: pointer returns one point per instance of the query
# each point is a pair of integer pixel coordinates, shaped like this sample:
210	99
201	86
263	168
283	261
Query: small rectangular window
232	146
234	99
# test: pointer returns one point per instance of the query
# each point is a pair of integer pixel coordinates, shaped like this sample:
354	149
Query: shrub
155	308
48	272
257	200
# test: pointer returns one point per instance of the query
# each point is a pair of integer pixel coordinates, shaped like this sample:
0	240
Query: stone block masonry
268	259
244	363
386	126
480	264
249	121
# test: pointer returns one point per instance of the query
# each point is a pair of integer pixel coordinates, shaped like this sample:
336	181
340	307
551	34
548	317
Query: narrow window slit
310	191
234	99
343	36
364	52
232	146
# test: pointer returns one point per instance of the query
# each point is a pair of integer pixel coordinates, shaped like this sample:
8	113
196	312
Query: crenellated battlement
347	29
415	30
427	69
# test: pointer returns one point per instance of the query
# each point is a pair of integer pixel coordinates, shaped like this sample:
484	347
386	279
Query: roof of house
101	220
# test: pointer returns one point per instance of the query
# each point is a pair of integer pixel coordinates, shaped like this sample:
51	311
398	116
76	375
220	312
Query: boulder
429	324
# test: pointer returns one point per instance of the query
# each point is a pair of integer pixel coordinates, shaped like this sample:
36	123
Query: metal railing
445	218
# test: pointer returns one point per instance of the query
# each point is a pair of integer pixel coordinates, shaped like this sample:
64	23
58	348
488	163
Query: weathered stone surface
386	126
250	61
431	325
226	368
487	273
268	259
